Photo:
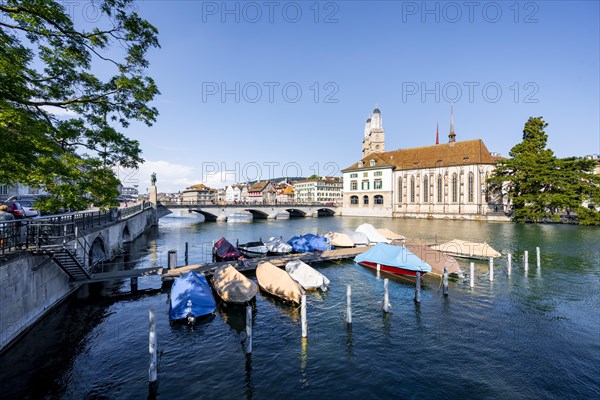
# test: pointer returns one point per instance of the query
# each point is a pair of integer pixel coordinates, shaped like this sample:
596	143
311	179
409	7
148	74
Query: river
530	335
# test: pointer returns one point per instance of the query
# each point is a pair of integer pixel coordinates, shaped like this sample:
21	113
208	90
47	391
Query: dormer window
360	164
372	163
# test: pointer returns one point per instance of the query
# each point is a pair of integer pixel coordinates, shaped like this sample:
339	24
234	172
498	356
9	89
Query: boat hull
390	269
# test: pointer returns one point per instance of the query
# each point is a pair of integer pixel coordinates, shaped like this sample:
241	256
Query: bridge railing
56	229
172	203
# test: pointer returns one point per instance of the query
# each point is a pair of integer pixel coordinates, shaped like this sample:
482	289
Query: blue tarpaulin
393	256
309	242
191	295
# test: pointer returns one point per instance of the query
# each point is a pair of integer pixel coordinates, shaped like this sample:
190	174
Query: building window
400	190
3	189
353	185
365	200
440	188
365	174
425	189
470	186
454	188
354	200
365	185
372	162
377	173
353	175
412	189
377	184
378	200
488	198
360	164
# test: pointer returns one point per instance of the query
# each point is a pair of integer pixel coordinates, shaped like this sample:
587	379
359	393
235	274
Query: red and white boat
393	259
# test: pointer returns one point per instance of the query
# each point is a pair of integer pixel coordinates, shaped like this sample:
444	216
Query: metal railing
57	229
168	203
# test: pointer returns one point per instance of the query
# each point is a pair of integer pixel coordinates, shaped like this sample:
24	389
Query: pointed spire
437	133
452	135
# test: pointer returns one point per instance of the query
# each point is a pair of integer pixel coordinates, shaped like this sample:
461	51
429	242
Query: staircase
68	261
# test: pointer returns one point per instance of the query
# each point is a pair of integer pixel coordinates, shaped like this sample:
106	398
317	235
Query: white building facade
440	181
326	190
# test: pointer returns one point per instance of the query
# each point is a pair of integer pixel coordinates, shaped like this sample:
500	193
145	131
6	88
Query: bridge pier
221	218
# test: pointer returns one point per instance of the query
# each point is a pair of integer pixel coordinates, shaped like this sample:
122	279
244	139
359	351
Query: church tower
452	135
374	139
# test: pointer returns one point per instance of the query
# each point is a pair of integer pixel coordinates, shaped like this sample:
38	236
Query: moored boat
277	282
394	259
359	238
232	286
337	239
391	235
464	249
253	249
308	277
225	251
308	243
191	297
372	234
436	259
277	247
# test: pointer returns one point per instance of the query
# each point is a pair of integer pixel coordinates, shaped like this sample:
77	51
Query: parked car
15	209
27	205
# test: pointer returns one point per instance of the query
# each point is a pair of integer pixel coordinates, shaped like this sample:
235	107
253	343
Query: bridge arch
256	214
208	217
126	235
325	212
97	251
295	213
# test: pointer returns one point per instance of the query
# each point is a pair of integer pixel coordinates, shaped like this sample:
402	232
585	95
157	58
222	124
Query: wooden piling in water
186	254
348	305
526	260
472	274
378	270
491	269
538	257
445	280
386	296
153	370
418	288
248	329
509	265
172	259
133	283
303	312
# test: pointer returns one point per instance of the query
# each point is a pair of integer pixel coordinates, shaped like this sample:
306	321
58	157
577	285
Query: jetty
250	264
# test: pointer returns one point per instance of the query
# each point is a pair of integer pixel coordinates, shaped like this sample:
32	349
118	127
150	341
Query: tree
59	120
541	186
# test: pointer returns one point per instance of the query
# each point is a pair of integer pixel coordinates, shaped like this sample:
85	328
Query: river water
534	335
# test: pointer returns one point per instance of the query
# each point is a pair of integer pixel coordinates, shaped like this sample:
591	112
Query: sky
270	88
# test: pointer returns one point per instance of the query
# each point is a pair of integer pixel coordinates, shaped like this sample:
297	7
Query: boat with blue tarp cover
308	243
394	259
191	297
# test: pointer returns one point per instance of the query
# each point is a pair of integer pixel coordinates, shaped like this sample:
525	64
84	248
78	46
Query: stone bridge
221	213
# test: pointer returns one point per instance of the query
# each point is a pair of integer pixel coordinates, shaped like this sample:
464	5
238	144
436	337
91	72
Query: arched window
470	187
412	189
425	189
354	200
454	188
365	200
378	200
400	190
440	189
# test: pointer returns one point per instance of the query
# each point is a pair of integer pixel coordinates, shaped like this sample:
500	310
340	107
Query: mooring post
152	372
133	282
172	259
526	260
418	288
303	312
248	329
472	274
186	254
378	270
491	269
537	255
445	280
509	266
348	305
386	296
